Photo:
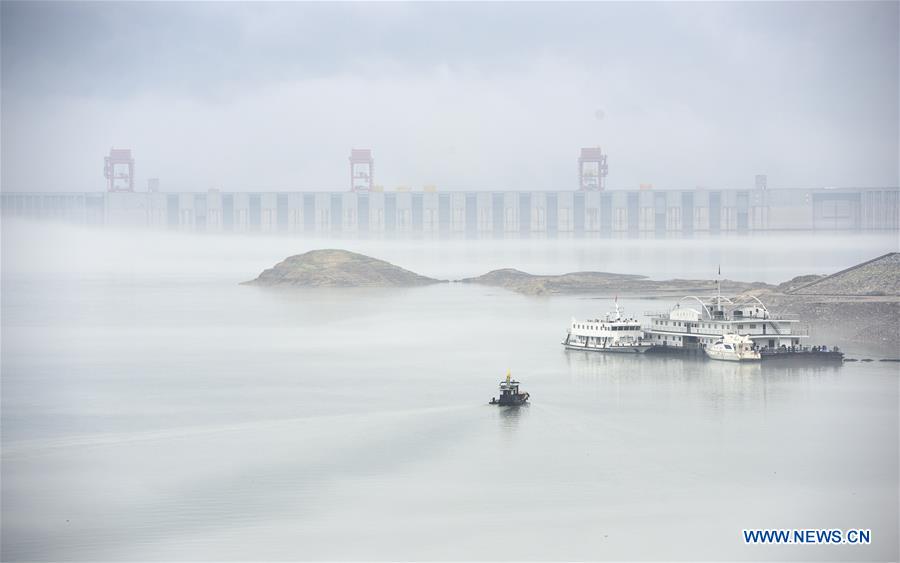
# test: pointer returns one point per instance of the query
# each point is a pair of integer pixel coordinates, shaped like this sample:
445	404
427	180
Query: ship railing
656	313
799	348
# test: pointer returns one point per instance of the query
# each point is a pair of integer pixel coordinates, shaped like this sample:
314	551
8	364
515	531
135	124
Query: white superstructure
694	323
613	333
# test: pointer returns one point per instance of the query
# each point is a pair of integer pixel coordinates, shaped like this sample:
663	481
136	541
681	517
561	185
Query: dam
366	209
473	214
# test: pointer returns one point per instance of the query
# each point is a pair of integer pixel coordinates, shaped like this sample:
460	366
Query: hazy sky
252	96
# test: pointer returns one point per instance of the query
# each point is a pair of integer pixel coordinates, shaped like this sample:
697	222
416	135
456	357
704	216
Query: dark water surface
153	409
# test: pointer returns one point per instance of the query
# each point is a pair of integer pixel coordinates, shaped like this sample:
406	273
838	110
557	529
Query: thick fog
156	408
253	96
47	250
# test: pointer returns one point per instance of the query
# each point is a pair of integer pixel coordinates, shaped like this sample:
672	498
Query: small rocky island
338	268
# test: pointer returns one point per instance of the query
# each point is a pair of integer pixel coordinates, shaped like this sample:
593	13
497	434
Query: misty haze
450	281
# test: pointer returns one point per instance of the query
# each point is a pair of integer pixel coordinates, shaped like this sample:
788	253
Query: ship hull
624	349
511	401
727	356
803	356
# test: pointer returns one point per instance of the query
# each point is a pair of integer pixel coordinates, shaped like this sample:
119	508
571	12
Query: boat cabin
509	393
704	323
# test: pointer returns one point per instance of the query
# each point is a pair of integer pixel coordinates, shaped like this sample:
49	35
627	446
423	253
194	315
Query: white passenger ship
613	333
697	324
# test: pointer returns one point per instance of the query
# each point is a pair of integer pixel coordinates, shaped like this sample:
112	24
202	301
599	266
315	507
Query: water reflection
717	386
510	417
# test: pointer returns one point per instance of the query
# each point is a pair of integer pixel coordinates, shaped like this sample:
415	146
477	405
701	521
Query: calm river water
154	409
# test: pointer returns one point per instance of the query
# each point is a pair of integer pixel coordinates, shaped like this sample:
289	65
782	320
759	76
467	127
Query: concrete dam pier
474	214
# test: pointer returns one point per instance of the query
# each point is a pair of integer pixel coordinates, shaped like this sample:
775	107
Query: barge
804	353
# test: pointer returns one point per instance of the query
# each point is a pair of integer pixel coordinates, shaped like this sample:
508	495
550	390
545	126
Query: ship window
740	327
752	326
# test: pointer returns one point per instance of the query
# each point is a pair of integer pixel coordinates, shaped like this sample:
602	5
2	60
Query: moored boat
613	333
732	348
694	324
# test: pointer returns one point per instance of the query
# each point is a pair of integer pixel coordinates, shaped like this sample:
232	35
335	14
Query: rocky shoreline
864	319
603	283
861	303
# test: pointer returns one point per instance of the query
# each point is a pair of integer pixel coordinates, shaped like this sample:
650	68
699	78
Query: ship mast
719	289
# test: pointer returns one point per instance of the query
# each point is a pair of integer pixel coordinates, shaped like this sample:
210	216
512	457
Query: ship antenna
719	289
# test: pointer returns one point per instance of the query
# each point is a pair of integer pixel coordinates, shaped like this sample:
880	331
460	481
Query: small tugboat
509	393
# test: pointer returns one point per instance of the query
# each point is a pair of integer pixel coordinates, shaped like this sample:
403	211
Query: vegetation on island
338	268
